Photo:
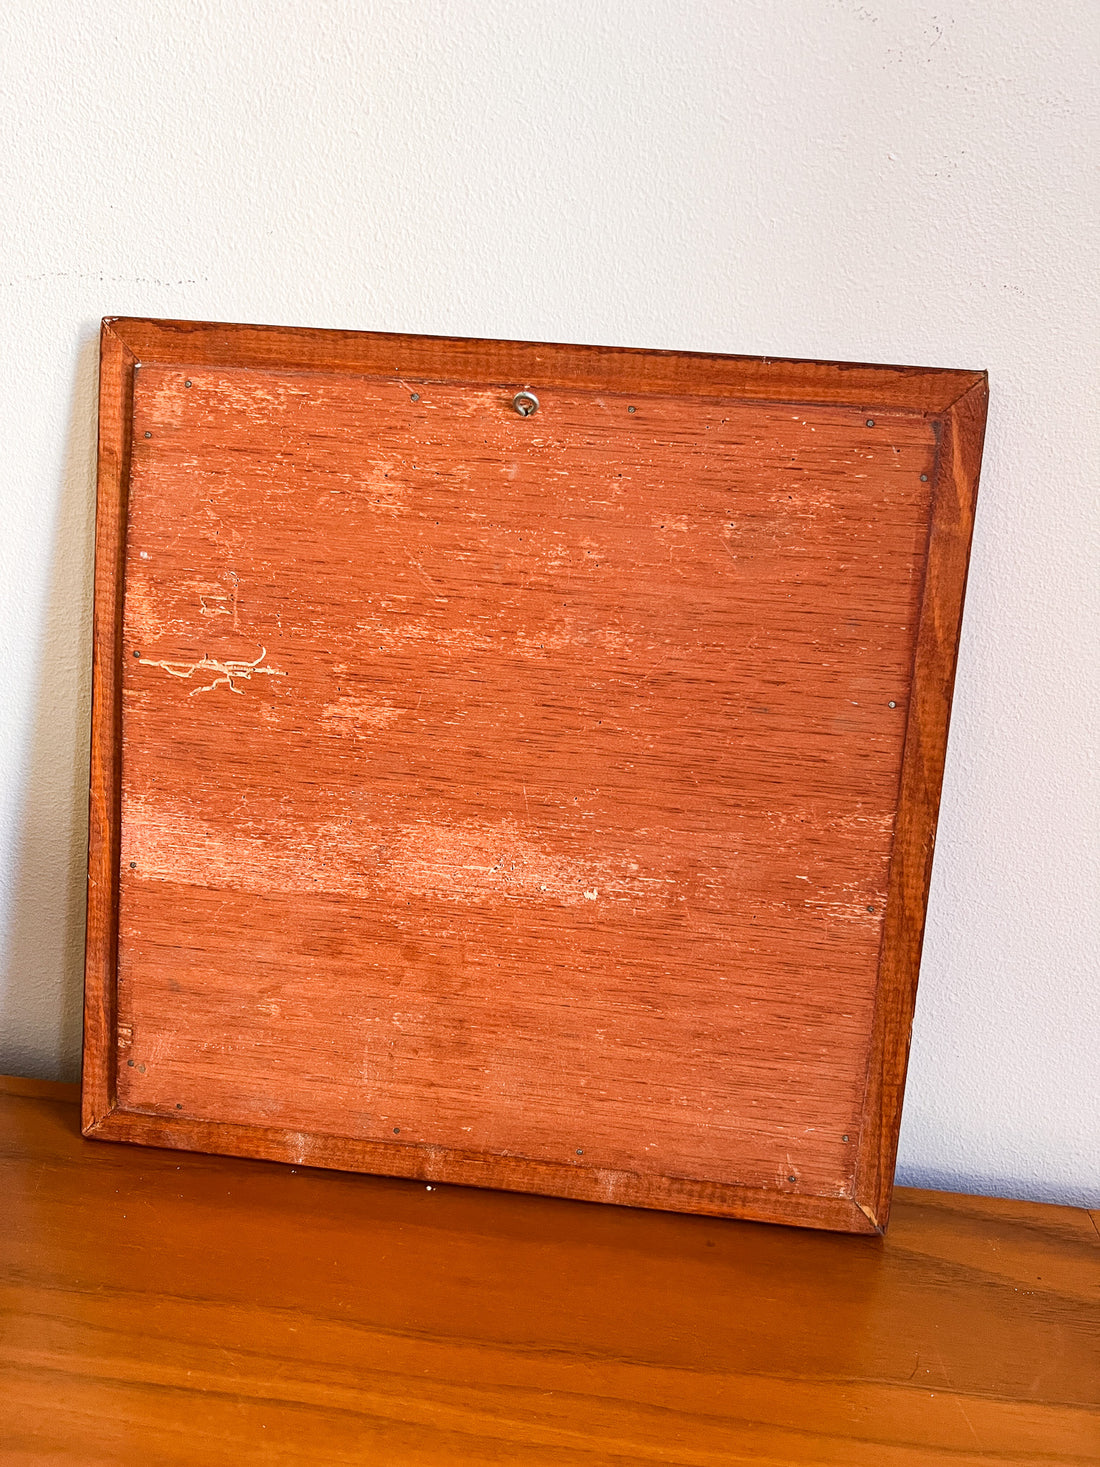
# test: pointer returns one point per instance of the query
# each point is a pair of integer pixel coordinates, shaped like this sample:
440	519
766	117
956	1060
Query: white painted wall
883	181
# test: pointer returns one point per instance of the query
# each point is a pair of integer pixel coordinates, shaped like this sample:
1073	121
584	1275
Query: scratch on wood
226	671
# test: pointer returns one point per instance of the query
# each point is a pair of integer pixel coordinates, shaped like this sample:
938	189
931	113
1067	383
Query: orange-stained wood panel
513	798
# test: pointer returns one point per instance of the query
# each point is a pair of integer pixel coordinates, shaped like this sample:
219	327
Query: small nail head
133	865
580	1150
148	435
414	396
893	705
397	1130
871	910
188	382
179	1104
137	654
792	1179
870	422
924	478
632	409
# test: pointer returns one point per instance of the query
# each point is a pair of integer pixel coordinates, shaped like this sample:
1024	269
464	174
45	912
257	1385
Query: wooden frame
953	403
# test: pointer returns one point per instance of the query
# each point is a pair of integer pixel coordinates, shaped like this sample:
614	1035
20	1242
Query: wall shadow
42	980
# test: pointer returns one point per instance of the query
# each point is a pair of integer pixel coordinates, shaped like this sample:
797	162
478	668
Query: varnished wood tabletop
159	1307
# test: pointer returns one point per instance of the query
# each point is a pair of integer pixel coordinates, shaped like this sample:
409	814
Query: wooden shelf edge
26	1089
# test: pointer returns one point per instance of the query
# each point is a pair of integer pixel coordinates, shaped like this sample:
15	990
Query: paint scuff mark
355	716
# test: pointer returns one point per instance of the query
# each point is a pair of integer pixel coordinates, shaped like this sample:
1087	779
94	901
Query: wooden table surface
159	1307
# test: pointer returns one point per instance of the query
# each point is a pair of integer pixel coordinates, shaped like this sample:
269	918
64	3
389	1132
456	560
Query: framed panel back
540	802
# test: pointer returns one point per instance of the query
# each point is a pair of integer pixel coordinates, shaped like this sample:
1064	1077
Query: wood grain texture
162	1308
962	432
924	390
513	800
101	941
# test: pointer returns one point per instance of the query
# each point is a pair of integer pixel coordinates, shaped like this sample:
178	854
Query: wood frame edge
961	432
116	364
877	386
447	1166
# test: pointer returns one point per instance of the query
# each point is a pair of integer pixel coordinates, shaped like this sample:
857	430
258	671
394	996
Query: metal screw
792	1179
131	1063
148	435
632	410
179	1104
525	403
871	909
580	1150
924	478
397	1130
133	865
844	1138
188	382
893	705
137	654
870	422
414	396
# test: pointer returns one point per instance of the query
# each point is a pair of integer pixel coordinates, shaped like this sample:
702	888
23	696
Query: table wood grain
160	1307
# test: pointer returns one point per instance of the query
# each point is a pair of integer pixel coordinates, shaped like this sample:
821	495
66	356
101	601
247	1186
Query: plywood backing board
540	802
